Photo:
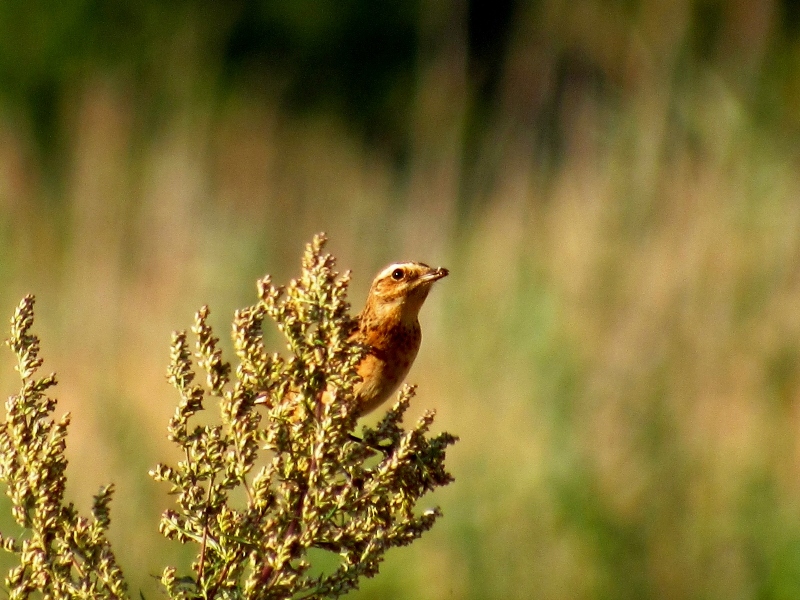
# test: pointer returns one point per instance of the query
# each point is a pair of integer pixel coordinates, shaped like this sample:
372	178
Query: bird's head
401	288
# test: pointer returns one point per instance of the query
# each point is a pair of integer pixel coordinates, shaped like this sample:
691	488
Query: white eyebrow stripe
390	268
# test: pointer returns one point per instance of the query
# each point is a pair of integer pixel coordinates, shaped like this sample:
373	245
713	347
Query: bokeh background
615	186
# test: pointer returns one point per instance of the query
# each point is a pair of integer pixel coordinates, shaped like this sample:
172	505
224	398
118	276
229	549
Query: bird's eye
398	274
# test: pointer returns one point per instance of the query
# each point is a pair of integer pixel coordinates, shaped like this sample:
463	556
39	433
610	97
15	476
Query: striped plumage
389	326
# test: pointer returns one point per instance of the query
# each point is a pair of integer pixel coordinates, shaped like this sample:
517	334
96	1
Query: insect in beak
435	274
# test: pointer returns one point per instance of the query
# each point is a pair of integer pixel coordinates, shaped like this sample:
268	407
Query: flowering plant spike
61	554
281	500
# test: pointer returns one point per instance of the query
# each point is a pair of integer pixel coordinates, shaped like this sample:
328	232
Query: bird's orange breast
392	352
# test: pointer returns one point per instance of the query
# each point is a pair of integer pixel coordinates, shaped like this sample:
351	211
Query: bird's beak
434	274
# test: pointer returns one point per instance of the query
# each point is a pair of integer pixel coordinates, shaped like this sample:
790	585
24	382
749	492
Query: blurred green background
613	184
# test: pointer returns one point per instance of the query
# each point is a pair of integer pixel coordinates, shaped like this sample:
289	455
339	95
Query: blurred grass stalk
618	344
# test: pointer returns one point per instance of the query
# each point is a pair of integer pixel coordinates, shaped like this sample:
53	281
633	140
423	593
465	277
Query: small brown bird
389	326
